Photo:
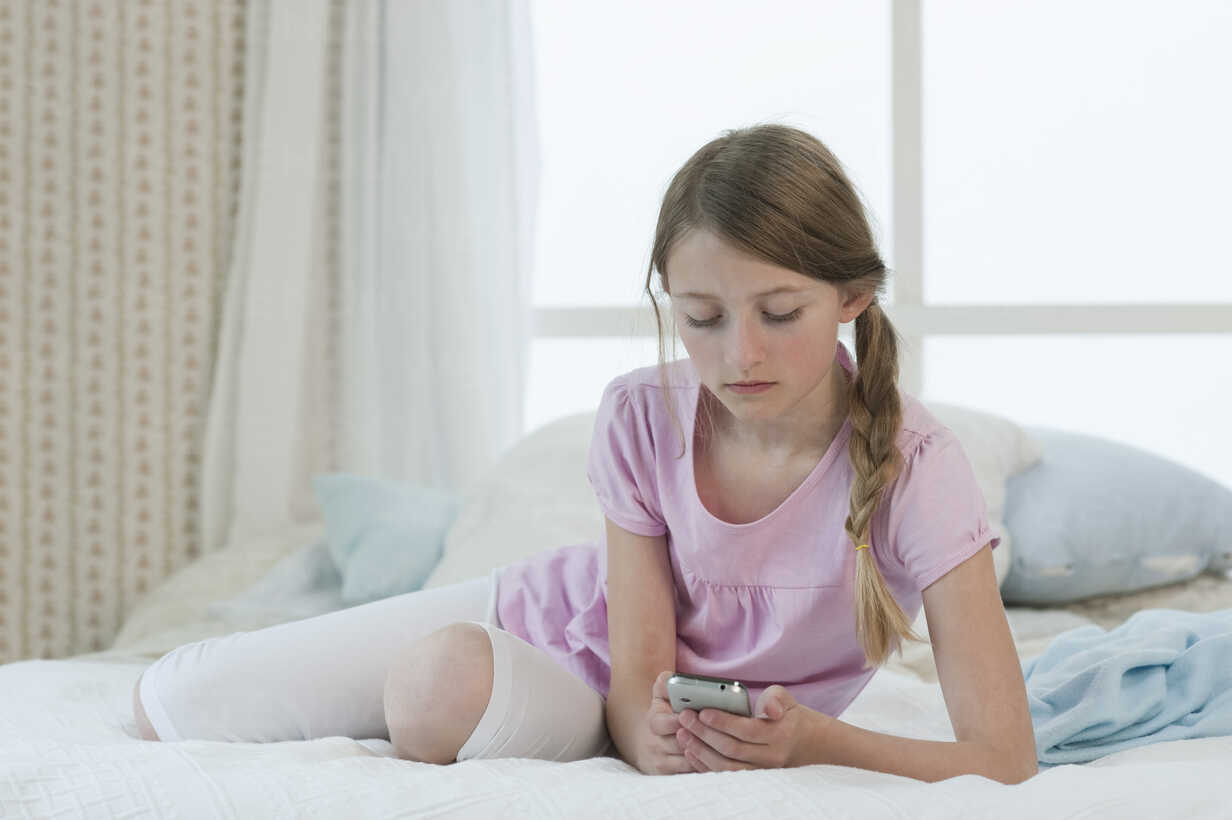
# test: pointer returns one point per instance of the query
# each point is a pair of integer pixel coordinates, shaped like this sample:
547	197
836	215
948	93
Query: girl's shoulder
919	426
641	392
679	373
918	420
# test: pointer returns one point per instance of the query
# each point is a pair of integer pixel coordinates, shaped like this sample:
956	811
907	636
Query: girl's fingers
679	764
750	730
664	724
711	759
670	745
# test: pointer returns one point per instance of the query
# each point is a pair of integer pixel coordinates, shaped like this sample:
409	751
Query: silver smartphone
701	692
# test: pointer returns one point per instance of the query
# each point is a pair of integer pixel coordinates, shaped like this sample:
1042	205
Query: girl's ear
853	305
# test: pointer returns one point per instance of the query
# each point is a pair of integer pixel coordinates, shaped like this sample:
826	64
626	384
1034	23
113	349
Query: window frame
913	318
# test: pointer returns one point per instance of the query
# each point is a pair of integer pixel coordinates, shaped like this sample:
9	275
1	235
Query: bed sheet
69	748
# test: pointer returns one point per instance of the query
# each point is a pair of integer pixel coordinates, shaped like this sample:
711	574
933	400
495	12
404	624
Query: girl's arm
641	623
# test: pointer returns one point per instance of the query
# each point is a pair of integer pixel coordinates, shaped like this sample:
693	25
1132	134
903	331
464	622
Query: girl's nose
748	343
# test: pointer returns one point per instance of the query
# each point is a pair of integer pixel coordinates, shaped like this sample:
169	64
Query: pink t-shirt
765	602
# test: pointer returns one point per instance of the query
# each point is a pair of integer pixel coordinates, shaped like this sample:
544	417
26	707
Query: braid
876	415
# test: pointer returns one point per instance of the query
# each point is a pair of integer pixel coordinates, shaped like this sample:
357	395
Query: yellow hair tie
862	547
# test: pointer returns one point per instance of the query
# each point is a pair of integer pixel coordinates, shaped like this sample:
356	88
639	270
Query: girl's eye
773	317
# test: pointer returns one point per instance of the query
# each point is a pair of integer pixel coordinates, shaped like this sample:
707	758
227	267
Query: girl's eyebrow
693	294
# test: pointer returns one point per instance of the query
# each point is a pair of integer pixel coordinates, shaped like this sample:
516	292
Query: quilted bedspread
69	748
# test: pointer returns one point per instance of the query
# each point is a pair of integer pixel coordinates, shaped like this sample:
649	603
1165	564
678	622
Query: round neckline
836	446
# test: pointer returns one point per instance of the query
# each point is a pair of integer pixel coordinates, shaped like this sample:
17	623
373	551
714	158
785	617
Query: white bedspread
68	748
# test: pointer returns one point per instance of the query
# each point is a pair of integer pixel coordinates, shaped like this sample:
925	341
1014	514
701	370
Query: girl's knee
436	691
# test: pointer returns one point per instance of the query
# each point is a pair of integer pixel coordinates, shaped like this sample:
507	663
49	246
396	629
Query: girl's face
736	330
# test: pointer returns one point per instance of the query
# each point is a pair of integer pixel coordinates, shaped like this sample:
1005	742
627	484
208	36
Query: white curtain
377	312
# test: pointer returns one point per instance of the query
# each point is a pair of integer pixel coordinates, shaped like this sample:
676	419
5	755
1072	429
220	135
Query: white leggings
325	675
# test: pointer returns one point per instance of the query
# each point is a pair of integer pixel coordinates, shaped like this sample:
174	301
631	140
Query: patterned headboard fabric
119	172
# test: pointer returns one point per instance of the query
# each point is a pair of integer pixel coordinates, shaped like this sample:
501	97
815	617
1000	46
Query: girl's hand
714	740
658	751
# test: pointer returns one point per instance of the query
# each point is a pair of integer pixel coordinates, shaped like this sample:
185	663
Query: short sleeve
621	463
937	515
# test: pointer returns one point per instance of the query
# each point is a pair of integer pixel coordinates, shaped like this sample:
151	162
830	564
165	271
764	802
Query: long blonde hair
780	195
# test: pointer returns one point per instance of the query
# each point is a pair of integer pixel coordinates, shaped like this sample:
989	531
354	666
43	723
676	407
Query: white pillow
537	496
997	449
177	610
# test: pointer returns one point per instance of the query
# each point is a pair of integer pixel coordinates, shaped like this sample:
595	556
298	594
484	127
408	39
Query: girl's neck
724	427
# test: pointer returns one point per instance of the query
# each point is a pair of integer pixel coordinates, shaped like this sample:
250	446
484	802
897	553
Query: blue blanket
1163	674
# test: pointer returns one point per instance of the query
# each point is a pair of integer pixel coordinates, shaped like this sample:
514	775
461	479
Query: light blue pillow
385	537
1098	517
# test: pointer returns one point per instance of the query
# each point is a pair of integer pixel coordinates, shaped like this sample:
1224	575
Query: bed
69	745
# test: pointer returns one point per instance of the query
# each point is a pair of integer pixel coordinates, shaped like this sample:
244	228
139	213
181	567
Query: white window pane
1158	393
567	375
628	91
1077	152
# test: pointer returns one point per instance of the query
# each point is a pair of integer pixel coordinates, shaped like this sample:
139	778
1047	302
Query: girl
745	532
